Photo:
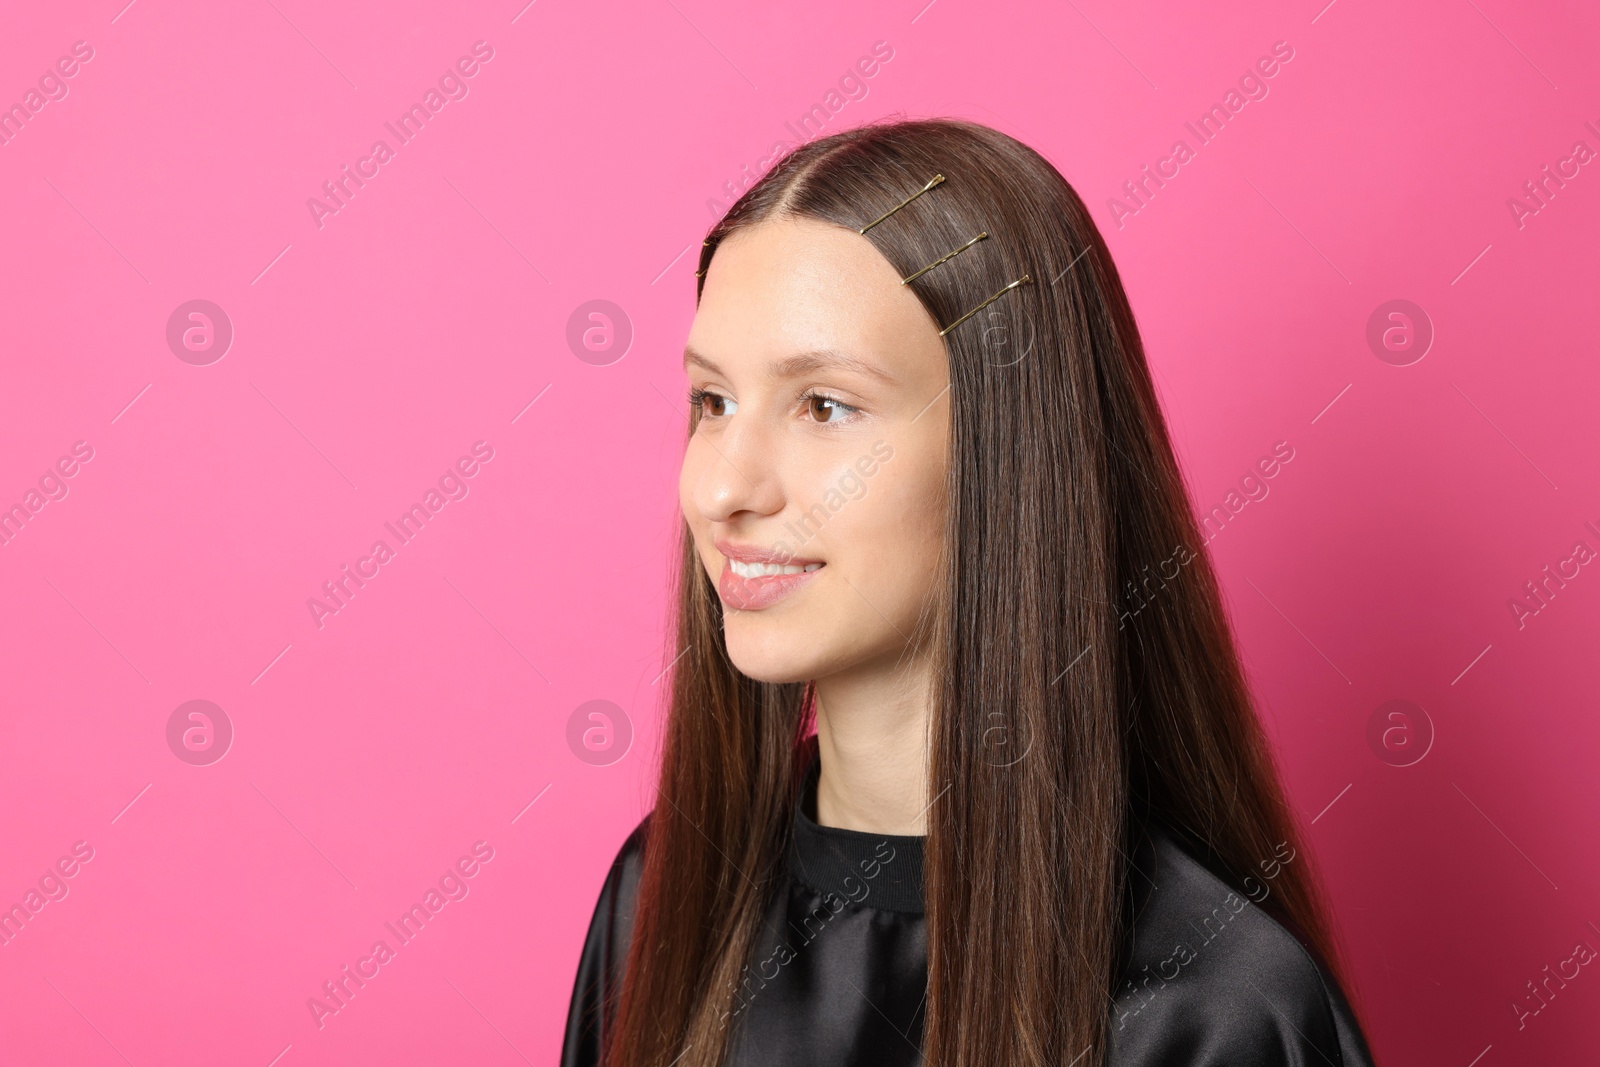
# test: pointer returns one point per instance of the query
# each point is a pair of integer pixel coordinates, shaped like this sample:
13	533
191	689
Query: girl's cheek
690	476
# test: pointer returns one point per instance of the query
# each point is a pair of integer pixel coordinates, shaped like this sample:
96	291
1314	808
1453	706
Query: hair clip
946	257
701	273
937	178
1025	278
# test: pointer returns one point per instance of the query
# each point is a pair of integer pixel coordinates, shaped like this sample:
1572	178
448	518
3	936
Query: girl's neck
872	745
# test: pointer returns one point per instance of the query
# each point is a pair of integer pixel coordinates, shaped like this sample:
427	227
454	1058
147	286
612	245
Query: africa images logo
1252	84
452	85
452	885
52	88
338	592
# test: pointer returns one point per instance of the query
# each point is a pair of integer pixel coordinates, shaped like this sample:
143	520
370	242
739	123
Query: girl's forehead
786	287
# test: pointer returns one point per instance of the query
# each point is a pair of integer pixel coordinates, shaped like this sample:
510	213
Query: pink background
585	163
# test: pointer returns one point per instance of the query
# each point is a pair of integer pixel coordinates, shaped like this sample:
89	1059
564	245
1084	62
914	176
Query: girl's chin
776	655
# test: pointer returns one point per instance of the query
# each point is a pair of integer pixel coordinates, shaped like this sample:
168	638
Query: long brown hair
1083	685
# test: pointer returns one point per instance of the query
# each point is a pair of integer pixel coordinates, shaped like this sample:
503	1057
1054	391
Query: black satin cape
839	976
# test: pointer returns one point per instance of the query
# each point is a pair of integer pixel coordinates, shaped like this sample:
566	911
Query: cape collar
881	871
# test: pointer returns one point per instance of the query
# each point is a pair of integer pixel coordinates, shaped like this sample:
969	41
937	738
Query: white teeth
765	570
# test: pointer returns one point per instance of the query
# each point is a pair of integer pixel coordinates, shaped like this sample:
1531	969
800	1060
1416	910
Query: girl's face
814	483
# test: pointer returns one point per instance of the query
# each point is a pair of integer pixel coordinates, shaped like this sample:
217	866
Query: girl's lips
753	594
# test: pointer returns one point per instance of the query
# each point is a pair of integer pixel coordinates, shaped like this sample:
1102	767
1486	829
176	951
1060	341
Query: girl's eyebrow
802	363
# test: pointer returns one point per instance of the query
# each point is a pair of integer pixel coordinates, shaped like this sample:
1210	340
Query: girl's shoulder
605	948
622	880
1215	977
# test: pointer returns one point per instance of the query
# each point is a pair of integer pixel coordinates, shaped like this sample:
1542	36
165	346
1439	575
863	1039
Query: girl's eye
826	409
712	404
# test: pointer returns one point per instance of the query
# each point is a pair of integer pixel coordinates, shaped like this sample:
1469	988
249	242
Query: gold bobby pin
937	178
946	257
986	303
702	272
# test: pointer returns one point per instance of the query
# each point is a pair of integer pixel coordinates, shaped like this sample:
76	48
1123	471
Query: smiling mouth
752	586
767	570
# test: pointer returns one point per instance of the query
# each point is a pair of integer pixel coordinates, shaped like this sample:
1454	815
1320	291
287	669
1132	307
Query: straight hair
1083	686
